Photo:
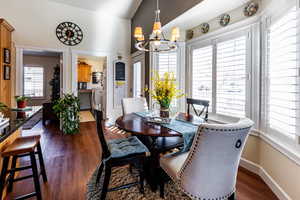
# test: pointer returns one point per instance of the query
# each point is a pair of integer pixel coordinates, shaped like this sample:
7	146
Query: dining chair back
100	124
136	104
203	103
211	167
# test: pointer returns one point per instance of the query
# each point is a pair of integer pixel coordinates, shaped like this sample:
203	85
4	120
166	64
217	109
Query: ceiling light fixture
157	41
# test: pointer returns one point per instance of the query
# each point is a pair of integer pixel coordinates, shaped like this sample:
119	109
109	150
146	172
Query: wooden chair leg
162	189
232	197
142	178
12	173
35	176
106	182
3	175
42	164
99	172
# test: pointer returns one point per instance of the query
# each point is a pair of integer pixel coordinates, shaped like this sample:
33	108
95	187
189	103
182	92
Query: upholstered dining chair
135	104
198	102
117	153
209	169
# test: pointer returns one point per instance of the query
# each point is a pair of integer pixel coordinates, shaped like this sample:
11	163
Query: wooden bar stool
21	147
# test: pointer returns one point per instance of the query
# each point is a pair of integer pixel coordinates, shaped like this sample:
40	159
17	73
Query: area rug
122	176
33	121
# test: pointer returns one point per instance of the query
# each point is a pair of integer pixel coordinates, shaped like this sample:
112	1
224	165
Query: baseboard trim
273	185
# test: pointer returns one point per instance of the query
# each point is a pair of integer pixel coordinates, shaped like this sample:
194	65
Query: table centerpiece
164	91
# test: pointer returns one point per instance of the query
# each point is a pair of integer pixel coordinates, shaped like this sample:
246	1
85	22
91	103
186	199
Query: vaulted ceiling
120	8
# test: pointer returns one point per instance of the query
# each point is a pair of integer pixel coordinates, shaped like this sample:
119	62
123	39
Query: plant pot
22	104
21	115
164	112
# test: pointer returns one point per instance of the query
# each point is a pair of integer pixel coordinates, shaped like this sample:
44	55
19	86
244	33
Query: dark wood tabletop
137	125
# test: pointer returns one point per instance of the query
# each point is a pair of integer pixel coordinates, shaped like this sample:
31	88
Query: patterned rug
122	176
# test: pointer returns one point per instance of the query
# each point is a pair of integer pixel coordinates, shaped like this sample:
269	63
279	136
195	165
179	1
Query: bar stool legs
35	176
42	164
12	174
3	175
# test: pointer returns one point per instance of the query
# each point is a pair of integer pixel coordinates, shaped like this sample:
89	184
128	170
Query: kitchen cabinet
84	73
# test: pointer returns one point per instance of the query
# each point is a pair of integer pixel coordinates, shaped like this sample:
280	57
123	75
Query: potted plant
164	91
21	101
67	110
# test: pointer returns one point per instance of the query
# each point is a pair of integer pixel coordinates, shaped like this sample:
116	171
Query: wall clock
69	33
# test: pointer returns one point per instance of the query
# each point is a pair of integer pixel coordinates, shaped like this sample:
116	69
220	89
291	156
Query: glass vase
164	112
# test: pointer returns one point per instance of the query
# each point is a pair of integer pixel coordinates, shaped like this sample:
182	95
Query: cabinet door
88	73
80	73
84	73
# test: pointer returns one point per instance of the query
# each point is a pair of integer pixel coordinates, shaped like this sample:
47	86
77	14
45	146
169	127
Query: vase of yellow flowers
164	91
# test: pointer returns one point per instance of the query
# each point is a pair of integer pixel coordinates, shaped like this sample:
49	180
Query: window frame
44	82
214	40
281	139
180	72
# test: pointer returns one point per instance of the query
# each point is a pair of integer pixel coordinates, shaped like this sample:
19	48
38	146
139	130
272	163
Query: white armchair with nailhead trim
209	169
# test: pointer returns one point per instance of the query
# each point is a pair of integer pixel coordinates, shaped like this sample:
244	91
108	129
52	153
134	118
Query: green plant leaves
67	110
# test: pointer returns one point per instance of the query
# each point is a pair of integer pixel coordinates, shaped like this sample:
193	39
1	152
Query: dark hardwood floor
70	161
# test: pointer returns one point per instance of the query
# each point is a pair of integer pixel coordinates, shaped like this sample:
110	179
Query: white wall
35	22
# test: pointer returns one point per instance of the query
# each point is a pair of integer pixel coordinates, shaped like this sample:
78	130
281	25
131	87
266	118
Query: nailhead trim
191	155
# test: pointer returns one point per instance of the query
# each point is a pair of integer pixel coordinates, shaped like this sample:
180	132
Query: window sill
289	150
292	152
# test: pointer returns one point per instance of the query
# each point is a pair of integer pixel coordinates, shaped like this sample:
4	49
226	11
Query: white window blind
33	81
202	60
167	62
283	75
231	77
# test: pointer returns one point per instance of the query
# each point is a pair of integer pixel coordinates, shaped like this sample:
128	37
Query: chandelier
157	41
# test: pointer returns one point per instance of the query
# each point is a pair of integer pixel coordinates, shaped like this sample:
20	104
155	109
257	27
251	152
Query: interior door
138	74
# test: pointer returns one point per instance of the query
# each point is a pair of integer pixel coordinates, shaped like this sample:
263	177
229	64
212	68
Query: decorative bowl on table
158	120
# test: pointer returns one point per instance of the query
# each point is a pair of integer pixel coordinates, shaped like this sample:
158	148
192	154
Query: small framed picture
6	72
6	56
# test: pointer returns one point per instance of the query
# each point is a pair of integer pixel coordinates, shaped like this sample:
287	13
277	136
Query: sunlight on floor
86	116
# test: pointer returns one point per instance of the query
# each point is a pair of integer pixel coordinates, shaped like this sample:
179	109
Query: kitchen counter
16	120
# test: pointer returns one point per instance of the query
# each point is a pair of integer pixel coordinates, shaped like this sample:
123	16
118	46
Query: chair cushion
124	147
173	163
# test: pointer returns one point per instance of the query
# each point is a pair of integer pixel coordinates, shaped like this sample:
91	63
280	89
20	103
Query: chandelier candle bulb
138	32
157	28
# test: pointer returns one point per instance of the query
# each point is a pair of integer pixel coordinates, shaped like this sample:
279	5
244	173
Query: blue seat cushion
126	147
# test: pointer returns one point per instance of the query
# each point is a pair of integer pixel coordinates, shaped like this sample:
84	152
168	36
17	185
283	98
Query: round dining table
150	134
137	125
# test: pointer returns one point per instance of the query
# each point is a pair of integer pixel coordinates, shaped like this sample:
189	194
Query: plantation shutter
33	81
283	75
167	62
231	77
202	61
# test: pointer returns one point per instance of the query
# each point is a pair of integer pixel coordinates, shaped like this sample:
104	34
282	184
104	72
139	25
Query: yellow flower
164	88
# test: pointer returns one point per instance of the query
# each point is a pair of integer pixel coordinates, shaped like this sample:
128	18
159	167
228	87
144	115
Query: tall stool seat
21	147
